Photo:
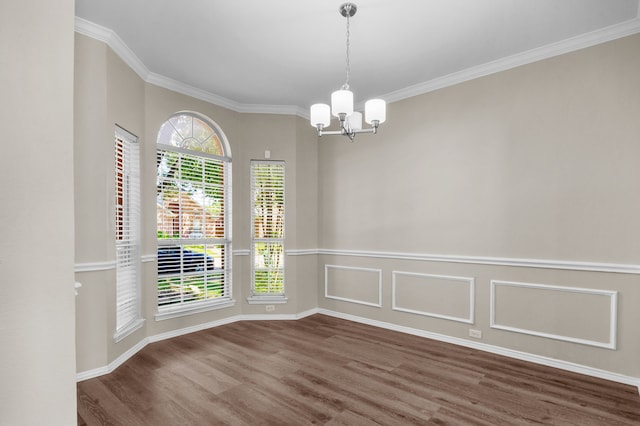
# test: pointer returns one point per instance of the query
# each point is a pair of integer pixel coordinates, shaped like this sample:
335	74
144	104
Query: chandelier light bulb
375	110
354	121
342	102
320	115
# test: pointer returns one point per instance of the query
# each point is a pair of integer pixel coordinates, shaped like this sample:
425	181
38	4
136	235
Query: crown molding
108	36
92	30
111	39
273	109
194	92
572	44
203	95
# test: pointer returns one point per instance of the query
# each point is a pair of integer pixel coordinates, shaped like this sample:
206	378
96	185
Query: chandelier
375	110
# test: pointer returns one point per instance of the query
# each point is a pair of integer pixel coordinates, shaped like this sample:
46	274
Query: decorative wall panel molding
458	292
538	309
352	284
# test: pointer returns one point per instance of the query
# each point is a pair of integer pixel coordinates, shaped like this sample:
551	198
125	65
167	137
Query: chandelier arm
373	130
347	132
329	132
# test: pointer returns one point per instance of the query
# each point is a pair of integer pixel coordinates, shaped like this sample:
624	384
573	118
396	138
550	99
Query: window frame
183	307
266	297
127	231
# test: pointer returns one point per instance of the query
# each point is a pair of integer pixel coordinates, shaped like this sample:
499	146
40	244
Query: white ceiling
291	53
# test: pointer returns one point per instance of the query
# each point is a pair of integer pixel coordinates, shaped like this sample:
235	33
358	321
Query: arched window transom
188	131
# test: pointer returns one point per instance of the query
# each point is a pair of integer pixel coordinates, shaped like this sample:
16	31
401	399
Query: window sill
266	300
195	308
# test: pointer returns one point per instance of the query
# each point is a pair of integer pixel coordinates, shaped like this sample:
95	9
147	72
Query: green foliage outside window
267	181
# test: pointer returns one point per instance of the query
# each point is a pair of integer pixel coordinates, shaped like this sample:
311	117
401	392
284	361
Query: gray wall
37	355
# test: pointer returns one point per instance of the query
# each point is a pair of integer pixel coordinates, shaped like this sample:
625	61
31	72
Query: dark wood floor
323	370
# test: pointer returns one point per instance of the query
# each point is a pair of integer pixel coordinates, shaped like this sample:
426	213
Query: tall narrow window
127	233
267	237
193	164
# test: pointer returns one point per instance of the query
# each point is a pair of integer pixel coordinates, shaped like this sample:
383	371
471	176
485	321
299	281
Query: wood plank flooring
324	370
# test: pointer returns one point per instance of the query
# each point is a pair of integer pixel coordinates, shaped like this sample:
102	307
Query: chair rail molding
95	266
571	265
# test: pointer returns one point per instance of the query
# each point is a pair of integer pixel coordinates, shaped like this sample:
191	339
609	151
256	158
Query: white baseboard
100	371
90	374
524	356
537	359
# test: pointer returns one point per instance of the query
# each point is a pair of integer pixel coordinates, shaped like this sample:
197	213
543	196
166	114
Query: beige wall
37	355
538	162
532	163
92	151
108	92
307	216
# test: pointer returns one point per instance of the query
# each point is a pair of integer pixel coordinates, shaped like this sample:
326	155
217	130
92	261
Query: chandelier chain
348	64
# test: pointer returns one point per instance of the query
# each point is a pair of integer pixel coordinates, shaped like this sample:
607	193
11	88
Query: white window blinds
127	233
193	243
267	219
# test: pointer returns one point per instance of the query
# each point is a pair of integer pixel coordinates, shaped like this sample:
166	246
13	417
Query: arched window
193	178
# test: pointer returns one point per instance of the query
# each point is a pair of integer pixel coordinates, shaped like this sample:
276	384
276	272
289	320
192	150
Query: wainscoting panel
578	315
355	285
438	296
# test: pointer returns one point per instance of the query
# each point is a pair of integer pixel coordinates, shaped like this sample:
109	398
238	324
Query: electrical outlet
477	334
270	308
